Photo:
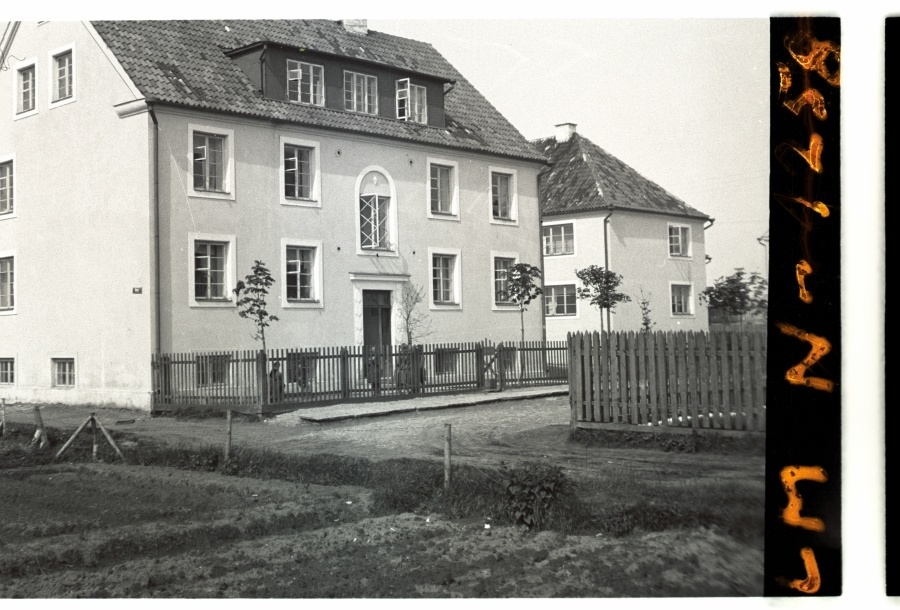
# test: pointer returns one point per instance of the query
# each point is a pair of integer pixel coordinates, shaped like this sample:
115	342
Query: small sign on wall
137	290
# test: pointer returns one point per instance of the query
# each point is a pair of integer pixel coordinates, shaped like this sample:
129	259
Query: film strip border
803	397
891	420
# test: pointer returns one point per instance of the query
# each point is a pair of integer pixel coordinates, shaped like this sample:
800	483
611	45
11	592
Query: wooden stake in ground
2	417
446	456
94	437
228	435
40	434
95	423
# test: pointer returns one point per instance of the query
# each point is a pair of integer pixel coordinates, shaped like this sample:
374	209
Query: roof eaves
534	158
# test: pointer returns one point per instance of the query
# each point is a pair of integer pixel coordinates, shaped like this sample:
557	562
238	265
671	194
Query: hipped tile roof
185	63
583	177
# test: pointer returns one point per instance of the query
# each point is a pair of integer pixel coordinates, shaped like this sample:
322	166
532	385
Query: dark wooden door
377	333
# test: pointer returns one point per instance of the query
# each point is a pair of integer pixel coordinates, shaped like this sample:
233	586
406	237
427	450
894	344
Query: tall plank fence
684	379
248	381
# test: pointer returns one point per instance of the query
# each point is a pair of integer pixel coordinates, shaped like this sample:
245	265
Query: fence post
479	365
447	456
500	368
40	434
94	436
345	373
2	417
262	379
228	435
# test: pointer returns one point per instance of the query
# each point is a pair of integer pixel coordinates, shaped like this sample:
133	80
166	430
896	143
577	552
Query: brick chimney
356	26
564	131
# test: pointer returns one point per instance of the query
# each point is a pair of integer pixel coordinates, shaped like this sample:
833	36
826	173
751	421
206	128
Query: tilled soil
157	532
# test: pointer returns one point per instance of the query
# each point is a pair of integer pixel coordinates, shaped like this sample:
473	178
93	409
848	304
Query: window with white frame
63	76
7	283
412	104
7	202
501	279
306	83
360	93
7	371
559	239
441	189
501	196
559	300
300	276
210	260
298	172
212	369
27	89
63	372
680	241
375	212
443	268
682	299
209	162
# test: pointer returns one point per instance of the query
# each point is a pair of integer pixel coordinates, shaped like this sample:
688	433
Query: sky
682	101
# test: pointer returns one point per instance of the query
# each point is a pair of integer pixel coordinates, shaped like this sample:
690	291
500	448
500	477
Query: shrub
531	491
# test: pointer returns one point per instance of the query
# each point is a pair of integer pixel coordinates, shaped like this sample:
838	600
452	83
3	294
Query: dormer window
305	83
360	93
411	102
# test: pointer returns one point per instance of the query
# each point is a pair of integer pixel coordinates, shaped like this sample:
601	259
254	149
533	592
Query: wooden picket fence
247	381
684	379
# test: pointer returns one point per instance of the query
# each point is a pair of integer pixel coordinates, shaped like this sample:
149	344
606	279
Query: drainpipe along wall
606	261
156	302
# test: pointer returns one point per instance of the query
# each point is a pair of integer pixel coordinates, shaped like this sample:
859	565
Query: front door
377	332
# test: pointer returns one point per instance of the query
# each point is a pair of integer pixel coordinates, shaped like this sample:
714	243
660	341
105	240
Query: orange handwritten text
820	347
812	582
784	78
813	154
815	101
791	513
812	55
804	269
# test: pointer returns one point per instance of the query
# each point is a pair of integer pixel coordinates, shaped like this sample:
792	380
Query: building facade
596	210
145	166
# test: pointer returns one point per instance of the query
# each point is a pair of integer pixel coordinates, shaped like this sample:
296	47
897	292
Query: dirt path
482	435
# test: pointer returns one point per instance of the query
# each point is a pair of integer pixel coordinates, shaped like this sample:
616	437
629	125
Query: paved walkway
421	403
71	416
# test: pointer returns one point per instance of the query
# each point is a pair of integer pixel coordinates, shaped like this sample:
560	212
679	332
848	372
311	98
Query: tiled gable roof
185	63
583	177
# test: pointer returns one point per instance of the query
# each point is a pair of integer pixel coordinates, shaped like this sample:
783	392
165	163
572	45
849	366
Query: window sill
203	304
681	257
26	114
302	304
443	215
62	102
301	203
195	194
8	312
510	222
688	316
442	306
495	306
377	252
561	315
565	255
7	215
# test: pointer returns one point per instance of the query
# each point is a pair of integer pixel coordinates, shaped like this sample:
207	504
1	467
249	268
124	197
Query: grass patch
695	442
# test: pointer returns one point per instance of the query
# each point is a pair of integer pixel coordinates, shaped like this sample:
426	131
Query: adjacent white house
596	210
145	165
